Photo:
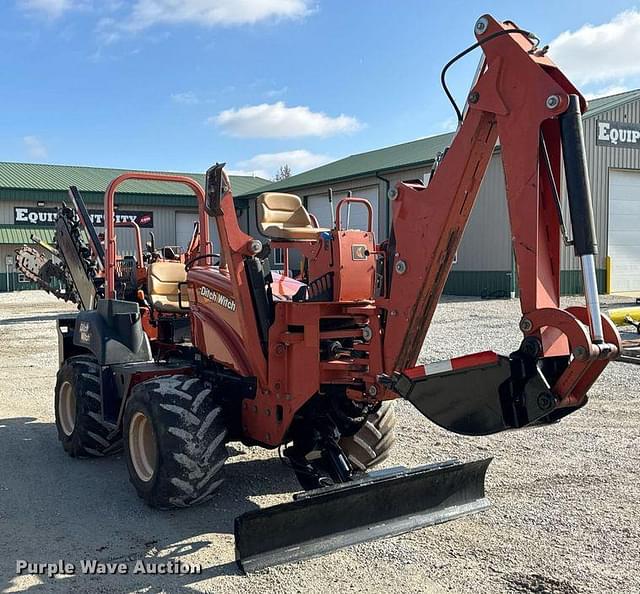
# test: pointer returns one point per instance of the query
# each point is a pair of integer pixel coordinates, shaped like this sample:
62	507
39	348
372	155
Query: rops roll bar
351	200
109	225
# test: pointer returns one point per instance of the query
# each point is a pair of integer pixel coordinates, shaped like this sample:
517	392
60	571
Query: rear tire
78	411
372	443
175	436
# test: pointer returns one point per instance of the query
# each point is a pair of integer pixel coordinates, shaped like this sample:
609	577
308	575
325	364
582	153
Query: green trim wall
463	283
571	281
15	285
474	283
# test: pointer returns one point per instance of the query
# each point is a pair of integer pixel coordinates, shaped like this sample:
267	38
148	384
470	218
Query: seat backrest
163	278
281	211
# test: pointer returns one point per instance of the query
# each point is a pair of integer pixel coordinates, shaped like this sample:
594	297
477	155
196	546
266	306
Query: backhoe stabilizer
383	503
485	393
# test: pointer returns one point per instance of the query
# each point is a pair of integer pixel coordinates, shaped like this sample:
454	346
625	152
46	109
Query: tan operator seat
162	282
282	216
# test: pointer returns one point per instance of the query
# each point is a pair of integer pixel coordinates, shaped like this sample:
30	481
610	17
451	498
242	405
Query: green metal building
30	194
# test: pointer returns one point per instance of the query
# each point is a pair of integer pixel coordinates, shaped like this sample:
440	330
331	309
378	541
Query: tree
283	173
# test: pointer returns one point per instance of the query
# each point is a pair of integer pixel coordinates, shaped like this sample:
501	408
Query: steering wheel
191	262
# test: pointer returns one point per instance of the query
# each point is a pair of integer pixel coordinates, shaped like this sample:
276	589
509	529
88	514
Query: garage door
184	230
319	206
624	232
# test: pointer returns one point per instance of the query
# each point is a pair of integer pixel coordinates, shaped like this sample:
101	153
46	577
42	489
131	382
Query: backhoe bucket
481	394
384	503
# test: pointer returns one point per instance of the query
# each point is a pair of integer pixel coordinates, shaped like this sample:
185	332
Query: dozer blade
384	503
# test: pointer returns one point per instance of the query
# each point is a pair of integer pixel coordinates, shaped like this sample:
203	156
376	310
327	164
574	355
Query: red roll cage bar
109	213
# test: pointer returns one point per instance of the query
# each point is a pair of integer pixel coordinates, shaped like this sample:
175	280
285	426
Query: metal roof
19	235
602	104
32	176
409	154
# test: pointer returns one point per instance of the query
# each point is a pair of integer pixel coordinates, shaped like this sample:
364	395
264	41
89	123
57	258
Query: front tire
78	411
174	441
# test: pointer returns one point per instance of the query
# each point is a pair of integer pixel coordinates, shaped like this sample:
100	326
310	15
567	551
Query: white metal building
484	261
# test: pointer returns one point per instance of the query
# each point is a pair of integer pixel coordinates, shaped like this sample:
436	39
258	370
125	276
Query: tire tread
372	443
191	435
91	436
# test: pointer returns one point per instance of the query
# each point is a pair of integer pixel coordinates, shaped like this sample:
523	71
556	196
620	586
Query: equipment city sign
46	217
618	134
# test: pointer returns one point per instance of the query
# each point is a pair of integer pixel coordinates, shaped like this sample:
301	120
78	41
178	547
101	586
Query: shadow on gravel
27	319
55	507
535	583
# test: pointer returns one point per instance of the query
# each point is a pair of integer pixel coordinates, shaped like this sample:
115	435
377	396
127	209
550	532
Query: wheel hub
143	448
67	408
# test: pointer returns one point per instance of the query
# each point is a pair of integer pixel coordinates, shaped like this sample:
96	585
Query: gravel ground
566	499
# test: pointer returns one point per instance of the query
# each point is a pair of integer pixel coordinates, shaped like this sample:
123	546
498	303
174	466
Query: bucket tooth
384	503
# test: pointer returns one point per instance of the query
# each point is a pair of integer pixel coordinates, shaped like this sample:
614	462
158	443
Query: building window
278	257
22	278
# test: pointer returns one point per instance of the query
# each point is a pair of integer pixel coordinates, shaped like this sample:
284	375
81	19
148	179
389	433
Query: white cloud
266	164
107	31
250	173
35	147
147	13
139	15
447	125
606	91
276	120
50	8
185	98
276	92
596	53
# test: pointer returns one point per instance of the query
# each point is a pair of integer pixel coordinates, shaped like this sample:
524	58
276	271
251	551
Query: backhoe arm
522	98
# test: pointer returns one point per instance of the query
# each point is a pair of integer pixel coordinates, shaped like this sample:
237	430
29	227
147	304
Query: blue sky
179	84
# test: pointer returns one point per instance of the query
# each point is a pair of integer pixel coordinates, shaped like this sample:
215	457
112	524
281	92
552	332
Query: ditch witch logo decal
218	298
46	217
618	134
85	333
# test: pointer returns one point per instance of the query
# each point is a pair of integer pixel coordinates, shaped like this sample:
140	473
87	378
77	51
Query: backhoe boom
521	98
